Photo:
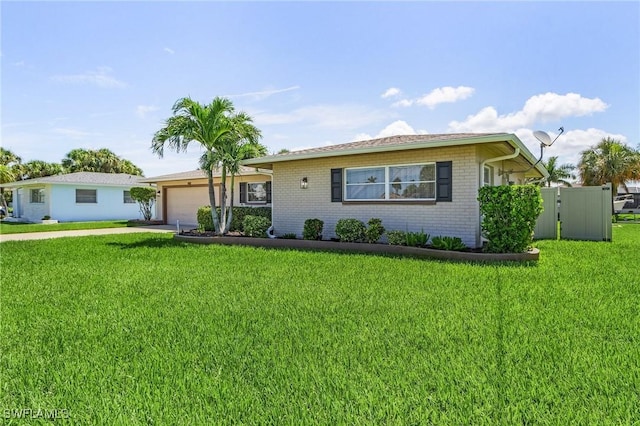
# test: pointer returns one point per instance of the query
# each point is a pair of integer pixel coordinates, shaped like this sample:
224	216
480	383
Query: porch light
304	183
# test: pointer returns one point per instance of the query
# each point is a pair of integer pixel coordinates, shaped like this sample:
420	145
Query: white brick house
412	182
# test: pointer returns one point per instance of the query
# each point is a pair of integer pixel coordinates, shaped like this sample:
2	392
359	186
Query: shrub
46	217
239	213
145	196
312	229
509	216
256	226
374	231
417	239
289	236
350	230
396	238
448	243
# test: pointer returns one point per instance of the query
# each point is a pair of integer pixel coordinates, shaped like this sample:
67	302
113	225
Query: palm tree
221	133
102	160
38	169
609	161
558	173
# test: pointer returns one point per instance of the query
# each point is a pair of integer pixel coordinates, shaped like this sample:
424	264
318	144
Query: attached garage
183	204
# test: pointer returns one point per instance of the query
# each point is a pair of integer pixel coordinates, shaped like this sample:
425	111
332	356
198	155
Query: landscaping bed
378	248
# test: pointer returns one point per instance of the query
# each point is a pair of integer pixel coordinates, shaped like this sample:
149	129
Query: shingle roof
83	178
382	144
199	174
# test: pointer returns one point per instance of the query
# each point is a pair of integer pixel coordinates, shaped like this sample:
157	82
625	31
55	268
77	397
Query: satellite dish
543	137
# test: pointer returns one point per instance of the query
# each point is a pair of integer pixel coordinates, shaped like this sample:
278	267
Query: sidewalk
85	232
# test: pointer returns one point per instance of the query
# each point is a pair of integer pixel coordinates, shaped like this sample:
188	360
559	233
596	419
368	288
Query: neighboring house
73	197
180	195
412	183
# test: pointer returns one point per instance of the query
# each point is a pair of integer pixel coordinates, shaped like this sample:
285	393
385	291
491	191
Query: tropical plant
225	136
416	239
145	196
312	229
101	160
374	230
609	161
350	230
448	243
397	238
37	169
558	173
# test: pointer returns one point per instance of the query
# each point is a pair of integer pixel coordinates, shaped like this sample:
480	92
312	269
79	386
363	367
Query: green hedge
256	226
509	216
239	213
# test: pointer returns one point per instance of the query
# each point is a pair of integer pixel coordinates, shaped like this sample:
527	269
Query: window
86	196
255	192
127	197
37	196
487	174
402	182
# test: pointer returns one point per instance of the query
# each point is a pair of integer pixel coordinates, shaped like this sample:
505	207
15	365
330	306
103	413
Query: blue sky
106	74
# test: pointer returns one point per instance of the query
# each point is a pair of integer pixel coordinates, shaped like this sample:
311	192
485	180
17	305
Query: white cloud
361	137
169	50
539	108
332	117
391	92
263	94
101	77
398	127
445	95
402	103
143	110
71	133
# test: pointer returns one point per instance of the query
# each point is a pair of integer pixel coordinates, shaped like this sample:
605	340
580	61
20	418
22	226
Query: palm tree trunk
212	200
223	201
230	217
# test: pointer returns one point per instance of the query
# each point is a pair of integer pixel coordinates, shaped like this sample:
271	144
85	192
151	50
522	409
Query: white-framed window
396	182
126	196
487	176
86	196
257	192
37	196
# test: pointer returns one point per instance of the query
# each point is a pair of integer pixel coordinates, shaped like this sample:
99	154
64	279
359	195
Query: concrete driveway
85	232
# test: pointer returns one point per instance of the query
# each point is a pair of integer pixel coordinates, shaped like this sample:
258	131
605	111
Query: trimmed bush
350	230
312	229
509	216
239	213
374	231
397	238
448	243
256	226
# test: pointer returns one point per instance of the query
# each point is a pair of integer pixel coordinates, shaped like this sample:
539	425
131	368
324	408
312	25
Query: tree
38	169
145	196
227	137
609	161
8	163
558	173
101	160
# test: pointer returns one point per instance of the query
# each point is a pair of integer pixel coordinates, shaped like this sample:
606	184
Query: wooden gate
584	213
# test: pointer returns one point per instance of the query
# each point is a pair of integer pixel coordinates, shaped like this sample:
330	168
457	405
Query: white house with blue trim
76	197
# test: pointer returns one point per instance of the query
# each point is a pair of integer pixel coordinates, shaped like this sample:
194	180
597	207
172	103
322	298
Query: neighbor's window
86	196
37	196
127	197
401	182
257	192
487	173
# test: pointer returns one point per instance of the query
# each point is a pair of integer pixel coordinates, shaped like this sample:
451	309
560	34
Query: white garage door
183	204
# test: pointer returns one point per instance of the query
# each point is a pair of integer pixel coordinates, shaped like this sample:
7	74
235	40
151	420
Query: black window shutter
268	187
443	181
336	185
243	192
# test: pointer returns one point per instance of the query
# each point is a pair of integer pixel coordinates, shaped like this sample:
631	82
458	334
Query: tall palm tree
219	131
609	161
558	173
102	160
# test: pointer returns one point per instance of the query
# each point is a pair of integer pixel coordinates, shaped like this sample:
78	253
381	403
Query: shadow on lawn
149	243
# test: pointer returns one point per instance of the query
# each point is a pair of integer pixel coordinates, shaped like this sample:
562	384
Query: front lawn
141	329
20	228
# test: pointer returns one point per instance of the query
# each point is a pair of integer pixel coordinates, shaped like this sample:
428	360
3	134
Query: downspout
481	184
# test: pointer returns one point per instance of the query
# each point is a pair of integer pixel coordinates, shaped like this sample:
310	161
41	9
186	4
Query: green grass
140	329
20	228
